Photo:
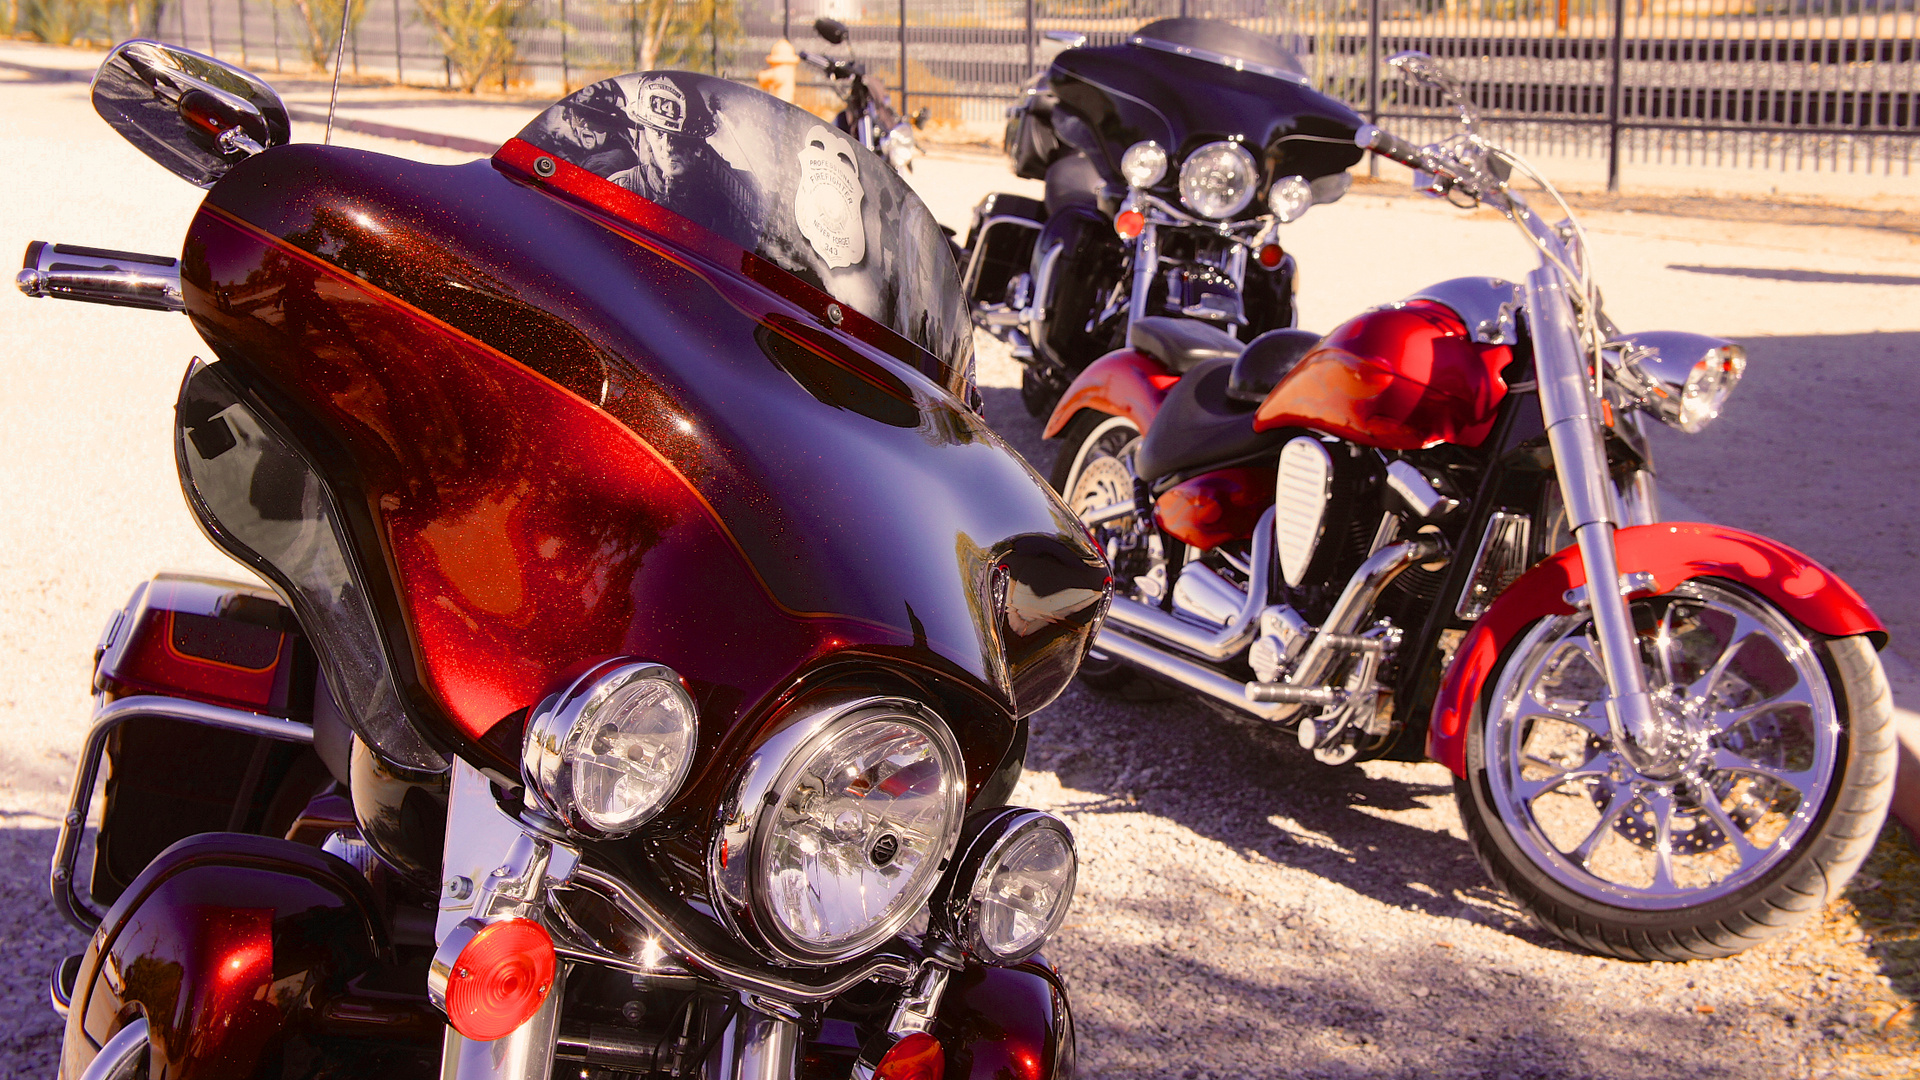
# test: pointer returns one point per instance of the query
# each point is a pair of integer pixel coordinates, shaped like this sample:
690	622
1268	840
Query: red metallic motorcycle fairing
1404	377
1216	507
250	957
574	440
1126	383
1006	1024
1674	553
215	641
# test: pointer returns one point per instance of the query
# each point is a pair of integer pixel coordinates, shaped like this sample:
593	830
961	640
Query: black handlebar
1388	145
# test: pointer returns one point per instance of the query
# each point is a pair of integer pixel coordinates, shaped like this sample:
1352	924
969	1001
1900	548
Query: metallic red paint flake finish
1405	377
1126	383
200	638
229	945
1674	553
1006	1024
1216	507
575	439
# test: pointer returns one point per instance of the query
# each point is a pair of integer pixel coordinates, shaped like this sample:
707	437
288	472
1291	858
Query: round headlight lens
604	755
1708	385
1144	164
1217	180
856	830
1012	884
1289	198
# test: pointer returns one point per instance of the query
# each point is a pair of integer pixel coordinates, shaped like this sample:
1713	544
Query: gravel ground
1242	910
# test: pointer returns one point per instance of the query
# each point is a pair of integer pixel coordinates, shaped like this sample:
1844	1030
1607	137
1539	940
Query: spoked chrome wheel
1728	805
1093	472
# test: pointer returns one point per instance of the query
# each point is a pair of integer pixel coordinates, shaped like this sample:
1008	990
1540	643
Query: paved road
1242	911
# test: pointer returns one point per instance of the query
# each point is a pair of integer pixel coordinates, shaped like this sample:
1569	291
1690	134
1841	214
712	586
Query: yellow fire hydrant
777	78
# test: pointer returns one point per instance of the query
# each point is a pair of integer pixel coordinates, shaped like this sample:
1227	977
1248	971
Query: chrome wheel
1749	752
1100	475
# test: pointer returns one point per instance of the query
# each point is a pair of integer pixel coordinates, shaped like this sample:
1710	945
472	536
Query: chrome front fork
1146	263
1570	412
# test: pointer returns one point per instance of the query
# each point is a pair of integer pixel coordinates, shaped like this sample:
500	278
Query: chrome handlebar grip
99	276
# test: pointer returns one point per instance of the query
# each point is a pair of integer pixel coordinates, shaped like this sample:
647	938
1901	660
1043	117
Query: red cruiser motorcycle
652	631
1386	539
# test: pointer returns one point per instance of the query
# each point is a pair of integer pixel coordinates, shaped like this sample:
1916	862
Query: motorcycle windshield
775	180
1184	83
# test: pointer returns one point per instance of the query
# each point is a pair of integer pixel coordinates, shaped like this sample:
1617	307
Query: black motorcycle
869	114
1170	162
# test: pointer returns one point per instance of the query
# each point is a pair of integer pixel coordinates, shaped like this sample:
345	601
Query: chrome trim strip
121	1058
1234	62
75	902
894	969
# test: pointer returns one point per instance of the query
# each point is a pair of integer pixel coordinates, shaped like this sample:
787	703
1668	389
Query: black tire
1089	436
1798	884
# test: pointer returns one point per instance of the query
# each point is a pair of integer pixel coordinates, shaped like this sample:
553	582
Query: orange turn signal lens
500	979
1270	256
919	1056
1129	224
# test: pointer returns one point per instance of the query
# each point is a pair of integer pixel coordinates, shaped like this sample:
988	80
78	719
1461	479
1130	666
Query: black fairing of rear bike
1114	96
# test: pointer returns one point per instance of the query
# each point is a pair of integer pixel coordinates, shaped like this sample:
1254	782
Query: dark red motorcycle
1434	532
652	628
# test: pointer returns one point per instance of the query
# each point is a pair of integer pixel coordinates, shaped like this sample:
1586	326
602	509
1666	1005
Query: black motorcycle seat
1181	343
1266	361
1198	425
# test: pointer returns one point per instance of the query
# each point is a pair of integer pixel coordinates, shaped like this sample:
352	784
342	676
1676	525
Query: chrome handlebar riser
97	276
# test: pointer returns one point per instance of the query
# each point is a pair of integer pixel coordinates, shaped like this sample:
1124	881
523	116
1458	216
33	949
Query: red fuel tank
1404	377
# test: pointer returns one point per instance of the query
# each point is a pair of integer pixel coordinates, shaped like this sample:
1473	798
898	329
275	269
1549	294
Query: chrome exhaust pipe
1126	637
1335	637
1205	640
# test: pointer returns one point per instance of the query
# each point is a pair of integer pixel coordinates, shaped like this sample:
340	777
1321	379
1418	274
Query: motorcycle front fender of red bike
1674	553
242	951
1006	1024
1125	383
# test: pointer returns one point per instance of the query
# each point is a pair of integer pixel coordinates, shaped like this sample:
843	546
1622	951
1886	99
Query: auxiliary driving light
1290	198
492	977
1144	164
605	754
1011	885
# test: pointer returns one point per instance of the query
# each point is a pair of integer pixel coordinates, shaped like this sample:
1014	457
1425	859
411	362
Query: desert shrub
476	35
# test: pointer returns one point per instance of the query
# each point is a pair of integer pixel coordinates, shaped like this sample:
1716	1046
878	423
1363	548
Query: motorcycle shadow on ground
37	940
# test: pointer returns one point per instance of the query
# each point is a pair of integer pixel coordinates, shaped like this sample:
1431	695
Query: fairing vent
1300	496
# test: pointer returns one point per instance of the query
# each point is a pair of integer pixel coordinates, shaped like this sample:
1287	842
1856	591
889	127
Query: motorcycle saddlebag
213	641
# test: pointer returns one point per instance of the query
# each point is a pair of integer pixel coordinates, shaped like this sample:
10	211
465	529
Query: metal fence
1786	84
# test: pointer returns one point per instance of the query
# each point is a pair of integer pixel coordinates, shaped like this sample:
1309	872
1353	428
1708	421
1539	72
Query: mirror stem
339	56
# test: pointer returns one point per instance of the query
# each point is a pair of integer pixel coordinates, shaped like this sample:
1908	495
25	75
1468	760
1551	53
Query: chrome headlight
837	832
605	754
900	147
1682	379
1011	885
1144	164
1289	198
1217	180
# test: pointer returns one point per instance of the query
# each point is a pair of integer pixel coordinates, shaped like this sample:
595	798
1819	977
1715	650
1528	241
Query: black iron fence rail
1820	84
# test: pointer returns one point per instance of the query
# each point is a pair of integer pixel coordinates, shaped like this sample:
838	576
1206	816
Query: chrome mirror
1422	68
1072	39
191	113
833	31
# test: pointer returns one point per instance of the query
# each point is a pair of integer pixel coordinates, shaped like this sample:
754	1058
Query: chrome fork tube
1146	263
526	1054
764	1047
1580	459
